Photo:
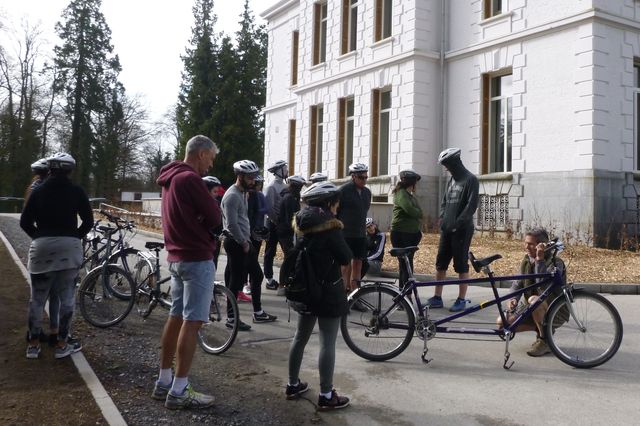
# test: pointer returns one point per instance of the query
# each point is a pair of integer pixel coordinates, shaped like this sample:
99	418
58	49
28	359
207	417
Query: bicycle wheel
372	334
127	259
591	341
99	304
216	336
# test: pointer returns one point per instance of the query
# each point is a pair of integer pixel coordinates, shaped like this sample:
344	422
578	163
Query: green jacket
407	214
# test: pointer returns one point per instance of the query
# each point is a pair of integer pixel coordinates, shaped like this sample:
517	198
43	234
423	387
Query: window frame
376	131
489	135
636	113
383	19
320	19
346	129
295	45
349	36
292	146
492	8
316	138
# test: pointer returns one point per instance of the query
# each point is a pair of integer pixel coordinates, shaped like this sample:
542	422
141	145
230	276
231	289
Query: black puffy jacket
322	233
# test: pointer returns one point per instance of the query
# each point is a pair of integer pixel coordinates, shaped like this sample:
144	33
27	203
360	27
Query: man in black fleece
459	203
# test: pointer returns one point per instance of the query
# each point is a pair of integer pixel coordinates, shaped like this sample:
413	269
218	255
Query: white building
541	95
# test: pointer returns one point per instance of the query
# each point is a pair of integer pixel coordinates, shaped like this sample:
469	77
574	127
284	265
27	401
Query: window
319	33
636	112
380	125
345	135
383	19
315	145
492	8
292	146
349	26
496	125
137	196
295	37
493	211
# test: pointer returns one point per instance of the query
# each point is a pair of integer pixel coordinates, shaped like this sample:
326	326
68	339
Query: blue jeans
59	284
191	289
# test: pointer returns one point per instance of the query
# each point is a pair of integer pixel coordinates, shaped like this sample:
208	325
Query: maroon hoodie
189	213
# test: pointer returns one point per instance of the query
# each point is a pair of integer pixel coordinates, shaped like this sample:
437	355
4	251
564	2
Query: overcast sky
148	35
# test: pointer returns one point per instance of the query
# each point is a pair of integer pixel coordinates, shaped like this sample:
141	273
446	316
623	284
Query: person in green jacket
407	218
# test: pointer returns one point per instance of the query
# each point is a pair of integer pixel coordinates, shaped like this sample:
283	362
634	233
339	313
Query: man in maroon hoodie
188	214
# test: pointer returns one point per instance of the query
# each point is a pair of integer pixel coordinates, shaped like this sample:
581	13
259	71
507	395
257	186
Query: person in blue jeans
189	214
321	233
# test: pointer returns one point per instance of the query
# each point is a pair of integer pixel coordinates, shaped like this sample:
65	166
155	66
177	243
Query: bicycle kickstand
424	352
507	354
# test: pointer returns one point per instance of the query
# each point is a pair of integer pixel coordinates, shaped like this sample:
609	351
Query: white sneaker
280	291
246	289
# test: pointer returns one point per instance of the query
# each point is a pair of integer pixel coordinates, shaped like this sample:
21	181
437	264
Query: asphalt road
465	383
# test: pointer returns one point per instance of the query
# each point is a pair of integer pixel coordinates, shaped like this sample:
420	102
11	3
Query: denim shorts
191	289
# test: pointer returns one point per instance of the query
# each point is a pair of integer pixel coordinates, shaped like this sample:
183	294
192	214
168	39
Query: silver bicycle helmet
40	166
358	168
448	154
296	180
318	192
318	177
246	167
211	182
61	161
277	165
409	175
369	221
259	178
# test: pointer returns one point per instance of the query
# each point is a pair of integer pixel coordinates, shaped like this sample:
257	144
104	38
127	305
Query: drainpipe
443	100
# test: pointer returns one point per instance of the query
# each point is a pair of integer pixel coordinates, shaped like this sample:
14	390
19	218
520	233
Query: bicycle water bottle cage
478	264
396	252
152	245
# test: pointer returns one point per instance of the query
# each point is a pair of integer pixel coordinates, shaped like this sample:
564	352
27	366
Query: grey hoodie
235	217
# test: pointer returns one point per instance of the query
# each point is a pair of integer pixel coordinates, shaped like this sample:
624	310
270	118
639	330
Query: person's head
322	194
408	180
532	238
359	174
259	183
40	168
246	172
61	164
372	227
449	158
295	183
200	153
212	183
279	169
318	177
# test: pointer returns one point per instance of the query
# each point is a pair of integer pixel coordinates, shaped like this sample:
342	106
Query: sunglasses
362	177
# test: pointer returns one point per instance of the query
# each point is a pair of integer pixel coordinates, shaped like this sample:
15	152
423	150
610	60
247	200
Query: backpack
302	288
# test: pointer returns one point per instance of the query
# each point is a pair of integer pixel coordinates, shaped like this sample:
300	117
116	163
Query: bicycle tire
217	336
371	336
593	346
127	258
99	304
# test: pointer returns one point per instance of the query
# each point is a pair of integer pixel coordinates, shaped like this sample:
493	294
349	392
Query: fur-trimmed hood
312	220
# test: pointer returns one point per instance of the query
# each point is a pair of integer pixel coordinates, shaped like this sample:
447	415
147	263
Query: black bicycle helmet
319	192
318	177
296	180
409	176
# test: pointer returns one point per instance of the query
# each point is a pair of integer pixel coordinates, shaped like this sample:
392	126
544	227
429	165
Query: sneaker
52	339
241	297
33	352
458	305
246	289
272	284
333	403
435	302
280	291
160	391
188	399
539	348
264	317
242	326
294	391
75	344
65	351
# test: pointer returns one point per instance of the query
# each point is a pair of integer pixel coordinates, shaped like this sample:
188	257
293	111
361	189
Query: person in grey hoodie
242	257
273	197
459	203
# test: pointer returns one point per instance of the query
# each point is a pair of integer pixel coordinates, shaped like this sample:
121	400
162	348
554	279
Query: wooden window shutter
342	130
344	41
317	17
375	132
292	146
294	57
486	102
313	139
378	20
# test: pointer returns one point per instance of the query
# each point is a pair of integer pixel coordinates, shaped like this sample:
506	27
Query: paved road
465	383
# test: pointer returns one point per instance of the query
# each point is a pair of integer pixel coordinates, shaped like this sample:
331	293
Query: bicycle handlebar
120	223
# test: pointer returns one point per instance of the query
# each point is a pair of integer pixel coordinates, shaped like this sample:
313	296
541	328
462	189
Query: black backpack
302	287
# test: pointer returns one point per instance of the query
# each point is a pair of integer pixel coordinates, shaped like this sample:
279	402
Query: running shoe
242	297
333	403
294	391
188	399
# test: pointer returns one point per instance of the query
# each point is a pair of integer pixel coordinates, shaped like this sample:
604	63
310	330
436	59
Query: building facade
542	97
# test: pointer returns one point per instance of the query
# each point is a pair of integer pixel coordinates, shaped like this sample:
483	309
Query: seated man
376	240
536	261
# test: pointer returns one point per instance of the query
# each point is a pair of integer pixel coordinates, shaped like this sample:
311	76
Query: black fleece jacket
460	200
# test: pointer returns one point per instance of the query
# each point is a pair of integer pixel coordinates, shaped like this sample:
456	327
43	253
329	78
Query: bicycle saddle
106	229
400	251
478	264
152	245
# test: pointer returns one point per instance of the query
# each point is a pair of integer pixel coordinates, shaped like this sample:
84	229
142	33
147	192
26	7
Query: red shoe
241	297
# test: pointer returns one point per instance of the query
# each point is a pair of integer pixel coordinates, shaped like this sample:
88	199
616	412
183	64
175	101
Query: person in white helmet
272	193
459	203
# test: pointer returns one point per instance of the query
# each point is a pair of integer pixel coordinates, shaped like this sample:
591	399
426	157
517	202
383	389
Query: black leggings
239	264
401	240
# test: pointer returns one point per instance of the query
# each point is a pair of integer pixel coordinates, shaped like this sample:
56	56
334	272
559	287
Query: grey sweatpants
327	357
57	283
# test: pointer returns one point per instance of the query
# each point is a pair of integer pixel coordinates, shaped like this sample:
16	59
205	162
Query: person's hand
245	247
540	251
513	303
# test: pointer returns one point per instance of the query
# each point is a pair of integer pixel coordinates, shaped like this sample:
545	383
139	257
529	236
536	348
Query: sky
148	35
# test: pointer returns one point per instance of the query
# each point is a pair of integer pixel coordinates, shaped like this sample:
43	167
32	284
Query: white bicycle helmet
448	154
277	165
318	177
318	192
369	221
246	167
409	175
358	168
211	182
296	180
40	166
259	178
61	161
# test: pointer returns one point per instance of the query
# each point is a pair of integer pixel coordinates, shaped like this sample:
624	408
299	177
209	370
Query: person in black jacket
289	206
376	240
459	203
50	218
321	233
